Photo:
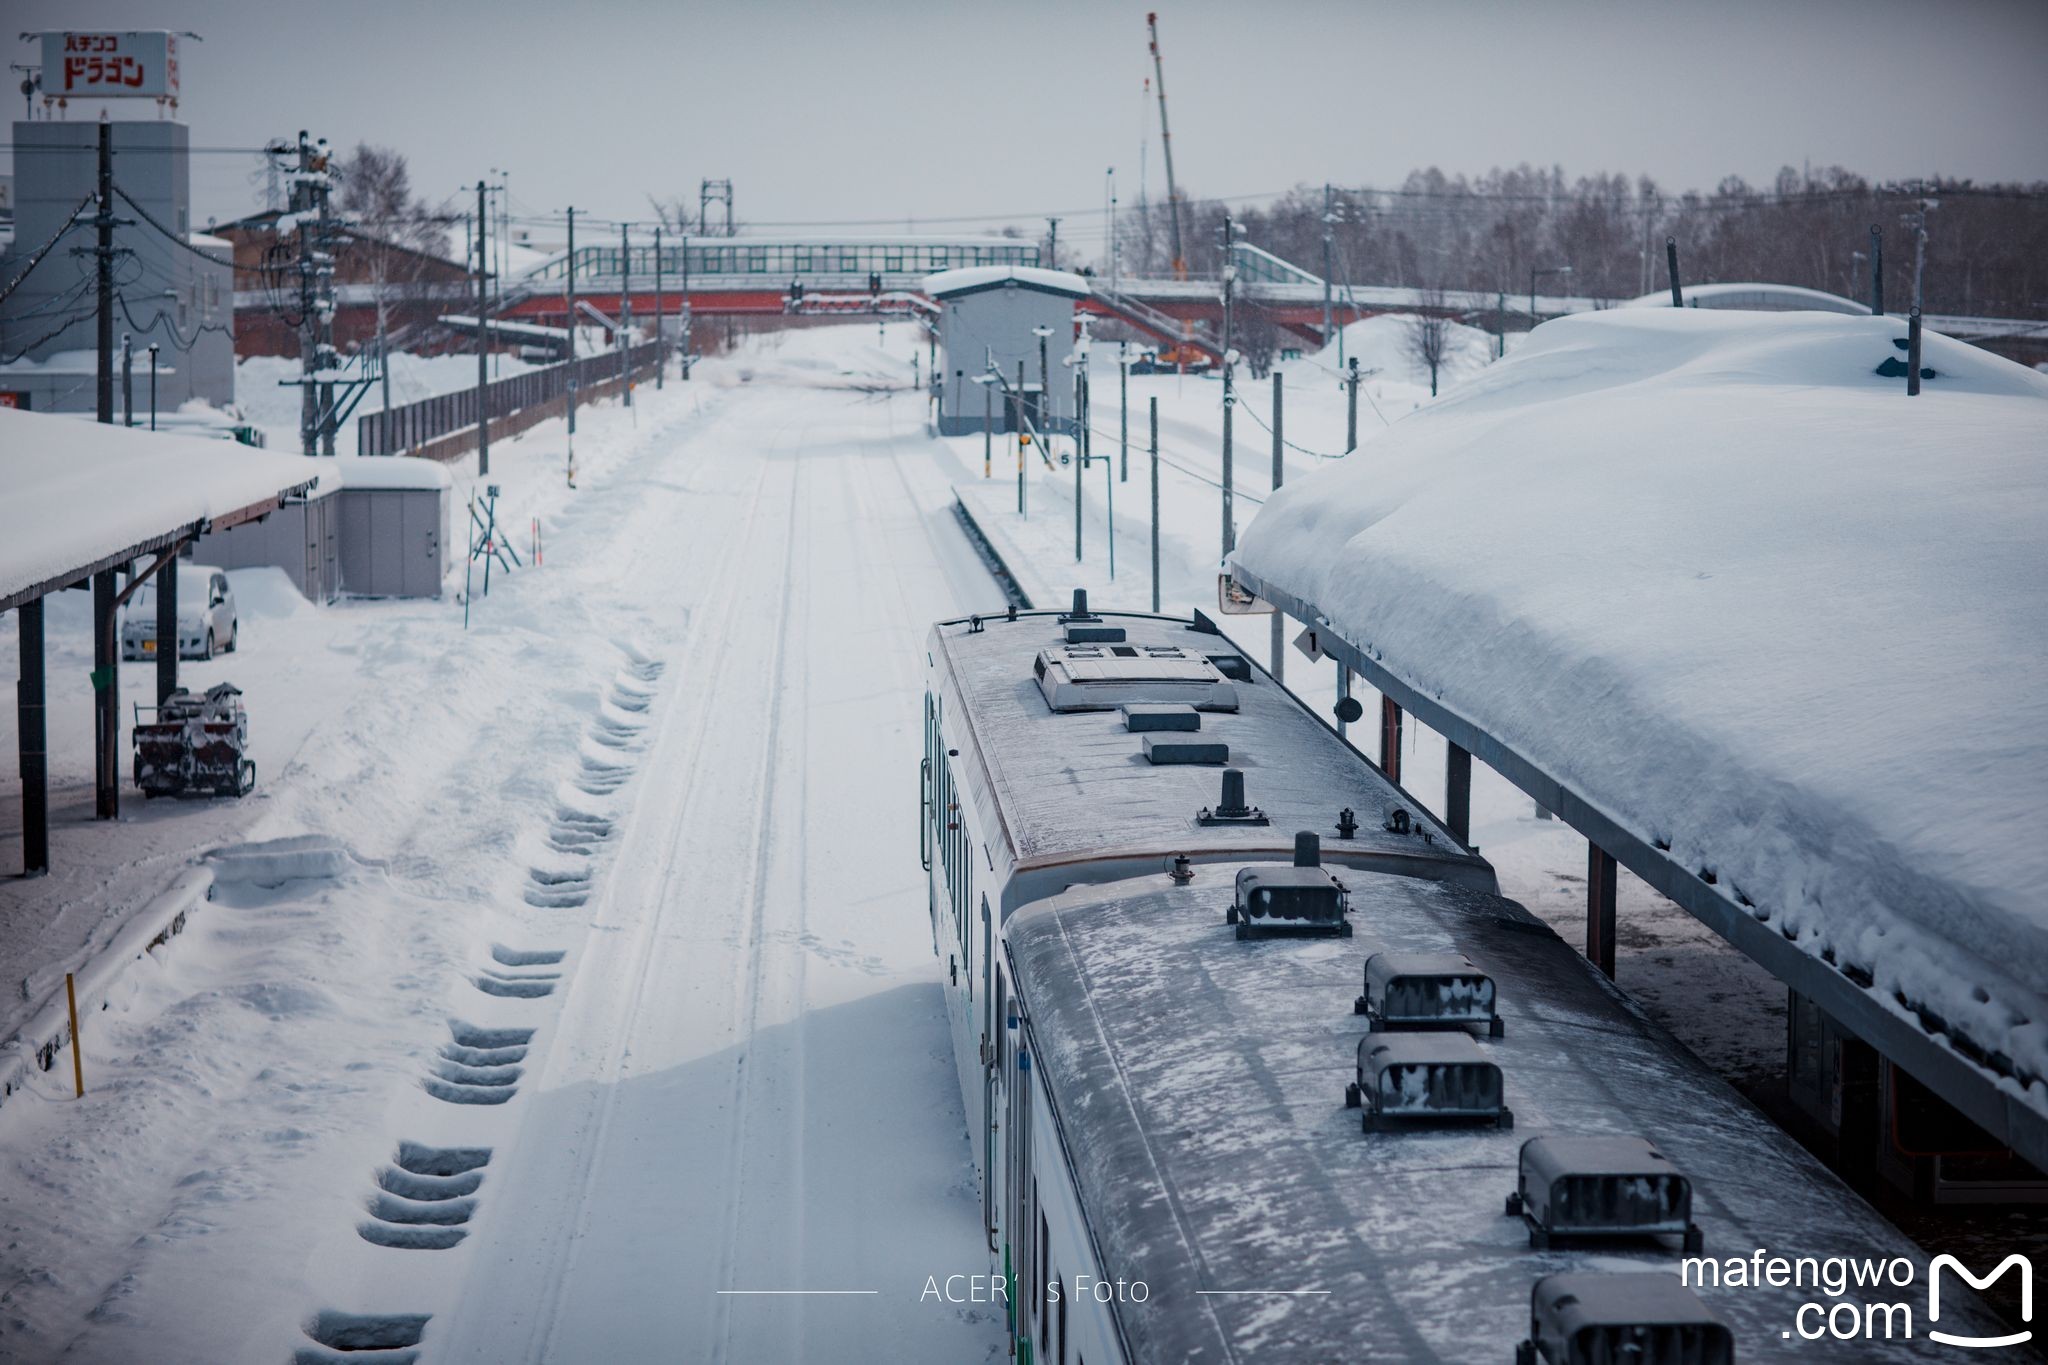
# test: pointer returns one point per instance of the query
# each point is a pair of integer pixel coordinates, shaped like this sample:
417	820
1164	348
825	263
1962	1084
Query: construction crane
1180	261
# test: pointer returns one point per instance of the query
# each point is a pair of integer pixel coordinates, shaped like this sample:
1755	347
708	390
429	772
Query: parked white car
207	622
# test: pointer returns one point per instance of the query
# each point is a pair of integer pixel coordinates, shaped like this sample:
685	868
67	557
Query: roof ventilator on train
1083	627
1106	675
1427	991
1230	807
1602	1187
1299	899
1644	1318
1425	1077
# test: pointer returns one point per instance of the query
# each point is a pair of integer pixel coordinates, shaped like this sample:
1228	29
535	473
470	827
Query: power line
166	232
71	221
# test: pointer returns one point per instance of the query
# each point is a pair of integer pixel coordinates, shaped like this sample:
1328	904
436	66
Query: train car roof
1075	786
1198	1082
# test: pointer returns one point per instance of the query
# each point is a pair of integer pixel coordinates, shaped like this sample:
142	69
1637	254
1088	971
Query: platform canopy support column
33	741
1458	793
106	698
167	628
1601	874
1390	739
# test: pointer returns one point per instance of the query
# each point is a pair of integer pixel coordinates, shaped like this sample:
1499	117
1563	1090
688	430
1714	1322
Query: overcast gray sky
926	111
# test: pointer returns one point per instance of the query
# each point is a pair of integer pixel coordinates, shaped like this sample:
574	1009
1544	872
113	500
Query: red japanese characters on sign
135	64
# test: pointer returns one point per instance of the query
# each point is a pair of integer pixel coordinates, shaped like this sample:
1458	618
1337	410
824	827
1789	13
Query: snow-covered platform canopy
973	278
1762	627
77	496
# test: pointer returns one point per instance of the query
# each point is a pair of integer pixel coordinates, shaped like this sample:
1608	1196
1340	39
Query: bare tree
394	234
1429	333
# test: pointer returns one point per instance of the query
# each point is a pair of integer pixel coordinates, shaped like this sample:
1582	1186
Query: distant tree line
1987	247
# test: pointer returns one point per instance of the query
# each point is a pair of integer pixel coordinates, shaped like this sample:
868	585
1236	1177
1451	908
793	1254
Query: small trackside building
989	319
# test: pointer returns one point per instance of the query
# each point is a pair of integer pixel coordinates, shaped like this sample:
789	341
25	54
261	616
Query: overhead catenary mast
1180	261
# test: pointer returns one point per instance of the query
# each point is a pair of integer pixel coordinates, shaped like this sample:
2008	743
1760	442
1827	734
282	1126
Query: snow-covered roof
1775	298
78	492
1753	604
974	277
376	471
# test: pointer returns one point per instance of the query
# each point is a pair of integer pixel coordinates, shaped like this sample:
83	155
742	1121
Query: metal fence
396	431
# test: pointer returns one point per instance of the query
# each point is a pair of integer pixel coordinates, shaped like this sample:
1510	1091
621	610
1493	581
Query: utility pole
660	340
569	315
317	358
1052	244
684	325
1278	645
1229	401
1876	271
152	386
1155	503
1351	408
1229	278
1123	393
483	337
104	251
1329	218
127	379
625	316
1017	404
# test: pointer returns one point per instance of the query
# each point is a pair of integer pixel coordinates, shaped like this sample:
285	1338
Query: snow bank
77	492
1718	577
1382	345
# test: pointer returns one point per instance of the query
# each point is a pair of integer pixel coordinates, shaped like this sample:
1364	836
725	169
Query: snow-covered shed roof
974	278
75	495
1754	607
1770	298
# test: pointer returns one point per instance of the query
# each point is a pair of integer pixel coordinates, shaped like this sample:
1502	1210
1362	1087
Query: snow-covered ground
647	807
667	756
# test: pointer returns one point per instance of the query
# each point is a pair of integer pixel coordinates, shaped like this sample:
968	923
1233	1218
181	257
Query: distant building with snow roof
175	286
989	317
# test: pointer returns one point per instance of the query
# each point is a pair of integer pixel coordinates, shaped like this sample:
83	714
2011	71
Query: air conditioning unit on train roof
1597	1186
1427	991
1105	676
1426	1077
1644	1318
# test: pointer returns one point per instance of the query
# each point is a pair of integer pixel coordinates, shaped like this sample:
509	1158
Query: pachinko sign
135	64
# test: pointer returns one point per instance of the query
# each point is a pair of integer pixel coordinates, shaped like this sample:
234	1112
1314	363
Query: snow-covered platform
1757	623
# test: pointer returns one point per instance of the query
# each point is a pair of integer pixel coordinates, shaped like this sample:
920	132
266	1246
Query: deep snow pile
1384	345
1716	575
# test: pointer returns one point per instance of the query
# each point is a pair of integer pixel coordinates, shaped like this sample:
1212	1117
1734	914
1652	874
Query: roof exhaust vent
1080	611
1426	991
1303	898
1602	1187
1646	1319
1230	808
1425	1077
1308	850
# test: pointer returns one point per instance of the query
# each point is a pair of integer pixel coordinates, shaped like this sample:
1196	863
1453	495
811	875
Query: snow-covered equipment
195	744
1302	898
1426	1077
1602	1187
1426	991
1646	1318
1103	677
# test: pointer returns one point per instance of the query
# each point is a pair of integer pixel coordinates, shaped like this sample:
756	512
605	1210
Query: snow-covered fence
444	426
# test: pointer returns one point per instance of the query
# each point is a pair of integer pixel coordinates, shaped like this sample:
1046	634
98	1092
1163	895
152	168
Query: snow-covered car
207	622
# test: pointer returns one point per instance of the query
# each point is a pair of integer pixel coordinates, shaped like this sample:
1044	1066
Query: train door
991	1030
